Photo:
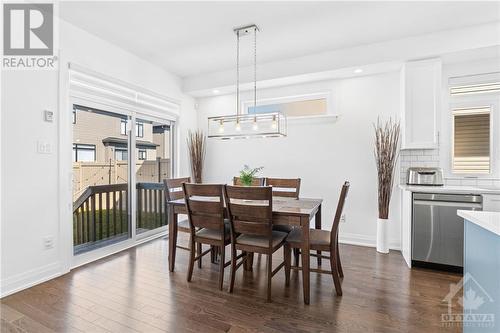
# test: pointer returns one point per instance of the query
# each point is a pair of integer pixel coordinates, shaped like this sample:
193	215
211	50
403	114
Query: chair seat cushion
316	237
214	234
262	241
283	228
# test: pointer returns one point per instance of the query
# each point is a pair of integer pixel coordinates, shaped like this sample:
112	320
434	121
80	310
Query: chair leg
339	265
335	274
221	265
191	259
233	268
296	255
199	249
269	275
288	262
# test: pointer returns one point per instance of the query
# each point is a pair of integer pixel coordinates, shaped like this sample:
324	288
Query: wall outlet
342	218
48	242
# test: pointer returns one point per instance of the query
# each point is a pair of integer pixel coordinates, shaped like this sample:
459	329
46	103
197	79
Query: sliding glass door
112	151
100	179
153	165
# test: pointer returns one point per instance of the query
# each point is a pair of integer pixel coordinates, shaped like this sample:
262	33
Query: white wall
30	181
322	153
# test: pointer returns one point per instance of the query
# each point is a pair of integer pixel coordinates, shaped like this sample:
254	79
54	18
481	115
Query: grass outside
107	226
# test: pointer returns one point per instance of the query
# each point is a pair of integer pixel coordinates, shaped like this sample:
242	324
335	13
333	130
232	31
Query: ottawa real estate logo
28	36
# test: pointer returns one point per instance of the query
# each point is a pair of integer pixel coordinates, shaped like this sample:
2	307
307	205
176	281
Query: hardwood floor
133	291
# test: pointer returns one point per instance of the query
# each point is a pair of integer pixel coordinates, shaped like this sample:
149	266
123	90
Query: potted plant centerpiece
386	153
247	175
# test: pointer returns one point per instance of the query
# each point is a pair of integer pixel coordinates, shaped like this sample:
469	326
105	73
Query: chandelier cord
255	69
238	73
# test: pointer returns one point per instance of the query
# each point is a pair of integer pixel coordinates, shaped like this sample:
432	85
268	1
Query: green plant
247	174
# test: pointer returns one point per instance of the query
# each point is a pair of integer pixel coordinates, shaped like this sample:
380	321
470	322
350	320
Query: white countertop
452	189
487	220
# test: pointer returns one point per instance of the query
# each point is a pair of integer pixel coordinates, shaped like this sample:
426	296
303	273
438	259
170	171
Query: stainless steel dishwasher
437	231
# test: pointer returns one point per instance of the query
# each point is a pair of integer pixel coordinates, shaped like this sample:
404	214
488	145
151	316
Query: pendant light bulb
255	126
274	124
238	126
221	126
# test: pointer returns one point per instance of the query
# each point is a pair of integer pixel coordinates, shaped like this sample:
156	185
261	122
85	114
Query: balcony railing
100	214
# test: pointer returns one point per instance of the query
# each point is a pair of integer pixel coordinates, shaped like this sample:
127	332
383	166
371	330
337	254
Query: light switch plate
48	116
43	147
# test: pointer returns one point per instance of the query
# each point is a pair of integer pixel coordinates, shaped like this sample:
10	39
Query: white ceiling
194	38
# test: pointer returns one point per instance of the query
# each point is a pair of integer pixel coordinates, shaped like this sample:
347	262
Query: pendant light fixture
250	124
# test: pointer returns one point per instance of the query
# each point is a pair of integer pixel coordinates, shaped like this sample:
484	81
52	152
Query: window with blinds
471	140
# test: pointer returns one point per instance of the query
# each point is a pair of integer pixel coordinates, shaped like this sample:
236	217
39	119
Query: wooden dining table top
281	205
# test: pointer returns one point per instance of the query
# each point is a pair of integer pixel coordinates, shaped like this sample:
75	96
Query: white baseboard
28	279
364	240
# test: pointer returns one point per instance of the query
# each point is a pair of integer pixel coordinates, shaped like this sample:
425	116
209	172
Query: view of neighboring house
110	143
100	149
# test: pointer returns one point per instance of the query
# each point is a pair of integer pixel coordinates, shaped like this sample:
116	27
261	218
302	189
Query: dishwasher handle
447	204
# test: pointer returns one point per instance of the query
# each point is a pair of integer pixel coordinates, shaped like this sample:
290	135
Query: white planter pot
382	235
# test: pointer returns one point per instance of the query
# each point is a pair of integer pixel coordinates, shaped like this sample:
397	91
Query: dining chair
255	181
205	208
250	211
321	240
286	187
283	187
173	191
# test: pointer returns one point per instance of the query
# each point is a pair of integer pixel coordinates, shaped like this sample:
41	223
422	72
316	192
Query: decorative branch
196	142
386	154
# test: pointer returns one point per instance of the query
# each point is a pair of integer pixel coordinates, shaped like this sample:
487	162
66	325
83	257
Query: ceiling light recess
247	125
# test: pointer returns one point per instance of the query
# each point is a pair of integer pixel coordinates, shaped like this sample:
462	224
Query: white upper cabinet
421	94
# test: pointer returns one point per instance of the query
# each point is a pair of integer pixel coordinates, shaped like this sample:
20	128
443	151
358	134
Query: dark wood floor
133	291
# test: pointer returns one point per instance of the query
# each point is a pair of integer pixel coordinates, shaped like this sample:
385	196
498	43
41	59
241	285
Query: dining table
286	211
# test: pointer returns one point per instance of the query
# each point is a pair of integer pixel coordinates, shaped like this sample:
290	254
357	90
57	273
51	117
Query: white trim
30	278
364	240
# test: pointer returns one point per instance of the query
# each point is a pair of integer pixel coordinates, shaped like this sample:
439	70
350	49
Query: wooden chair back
250	209
279	184
205	206
338	213
173	188
255	181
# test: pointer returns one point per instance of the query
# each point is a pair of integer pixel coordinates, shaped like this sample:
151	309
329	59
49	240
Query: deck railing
100	213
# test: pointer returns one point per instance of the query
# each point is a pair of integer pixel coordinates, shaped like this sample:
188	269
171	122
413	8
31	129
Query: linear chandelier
247	125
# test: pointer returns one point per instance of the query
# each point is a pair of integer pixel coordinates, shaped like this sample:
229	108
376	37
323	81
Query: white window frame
472	101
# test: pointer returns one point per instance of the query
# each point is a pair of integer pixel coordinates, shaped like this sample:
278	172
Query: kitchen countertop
487	220
452	189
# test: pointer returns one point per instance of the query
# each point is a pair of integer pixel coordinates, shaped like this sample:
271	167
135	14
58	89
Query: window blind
471	140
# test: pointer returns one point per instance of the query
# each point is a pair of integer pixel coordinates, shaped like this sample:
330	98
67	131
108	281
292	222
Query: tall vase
382	235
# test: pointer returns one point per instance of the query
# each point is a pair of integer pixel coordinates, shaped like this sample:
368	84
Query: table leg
172	238
248	265
305	258
317	222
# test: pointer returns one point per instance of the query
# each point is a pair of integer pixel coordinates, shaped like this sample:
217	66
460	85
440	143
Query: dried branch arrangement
196	142
386	154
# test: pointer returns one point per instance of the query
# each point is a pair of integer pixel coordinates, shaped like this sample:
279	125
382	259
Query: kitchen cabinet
421	99
491	202
406	211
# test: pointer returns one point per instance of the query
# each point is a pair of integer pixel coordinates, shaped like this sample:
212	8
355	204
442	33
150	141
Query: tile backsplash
417	158
430	158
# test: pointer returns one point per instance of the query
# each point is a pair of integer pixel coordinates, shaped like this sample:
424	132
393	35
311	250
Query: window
83	153
142	155
123	127
482	88
74	116
297	106
121	154
471	140
139	130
